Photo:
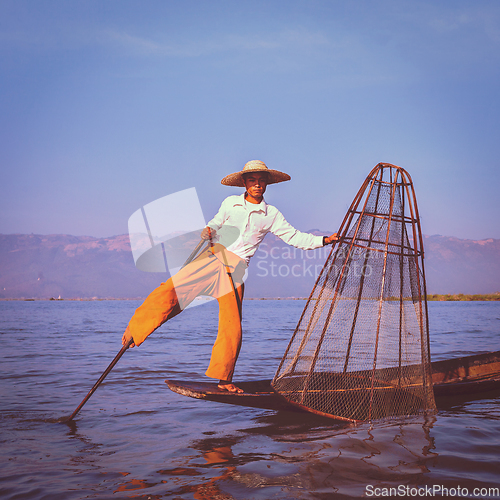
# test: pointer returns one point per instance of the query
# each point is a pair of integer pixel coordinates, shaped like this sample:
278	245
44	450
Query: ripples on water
136	439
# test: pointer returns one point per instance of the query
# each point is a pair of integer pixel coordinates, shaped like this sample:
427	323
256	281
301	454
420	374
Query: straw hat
236	179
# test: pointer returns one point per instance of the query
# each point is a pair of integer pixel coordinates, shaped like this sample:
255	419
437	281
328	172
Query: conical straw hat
236	179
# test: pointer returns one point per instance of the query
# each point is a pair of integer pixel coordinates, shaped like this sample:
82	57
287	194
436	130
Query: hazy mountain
70	266
44	266
462	266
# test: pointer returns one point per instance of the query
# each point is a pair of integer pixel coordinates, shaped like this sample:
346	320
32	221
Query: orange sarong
206	275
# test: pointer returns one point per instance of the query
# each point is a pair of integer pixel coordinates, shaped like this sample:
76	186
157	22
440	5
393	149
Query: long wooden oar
122	350
193	253
228	271
102	377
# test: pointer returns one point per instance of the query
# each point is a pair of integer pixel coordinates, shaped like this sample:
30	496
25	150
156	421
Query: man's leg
160	305
171	297
228	343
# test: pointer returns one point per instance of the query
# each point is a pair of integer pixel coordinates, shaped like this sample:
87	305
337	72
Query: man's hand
126	337
330	239
207	233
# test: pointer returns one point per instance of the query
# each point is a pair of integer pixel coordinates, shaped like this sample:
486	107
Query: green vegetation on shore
462	296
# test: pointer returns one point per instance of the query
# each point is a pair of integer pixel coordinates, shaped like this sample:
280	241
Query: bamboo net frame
361	347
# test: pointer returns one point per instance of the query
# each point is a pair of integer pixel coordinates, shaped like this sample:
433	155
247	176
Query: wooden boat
469	376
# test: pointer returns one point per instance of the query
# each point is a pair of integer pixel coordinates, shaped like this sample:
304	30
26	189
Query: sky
106	106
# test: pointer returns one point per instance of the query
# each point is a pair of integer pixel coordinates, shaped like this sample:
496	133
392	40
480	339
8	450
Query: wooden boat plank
466	368
258	394
469	375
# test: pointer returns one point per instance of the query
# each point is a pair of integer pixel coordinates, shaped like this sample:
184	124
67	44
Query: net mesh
361	348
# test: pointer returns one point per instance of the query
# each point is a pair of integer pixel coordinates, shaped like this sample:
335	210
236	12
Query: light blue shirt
241	226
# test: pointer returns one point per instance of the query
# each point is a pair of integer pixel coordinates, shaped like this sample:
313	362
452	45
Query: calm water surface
136	439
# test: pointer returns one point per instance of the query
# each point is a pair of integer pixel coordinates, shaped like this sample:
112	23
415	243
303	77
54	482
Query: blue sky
106	106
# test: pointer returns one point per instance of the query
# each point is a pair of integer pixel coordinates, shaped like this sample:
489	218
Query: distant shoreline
463	297
436	297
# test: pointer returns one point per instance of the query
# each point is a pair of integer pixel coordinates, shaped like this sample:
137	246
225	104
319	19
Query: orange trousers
206	275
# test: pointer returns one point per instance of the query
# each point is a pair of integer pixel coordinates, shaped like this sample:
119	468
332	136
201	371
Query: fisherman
234	235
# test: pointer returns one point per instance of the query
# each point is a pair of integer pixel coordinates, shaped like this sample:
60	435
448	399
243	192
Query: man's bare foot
229	387
126	337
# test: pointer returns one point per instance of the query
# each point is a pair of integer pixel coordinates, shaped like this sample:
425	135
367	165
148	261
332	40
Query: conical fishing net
361	348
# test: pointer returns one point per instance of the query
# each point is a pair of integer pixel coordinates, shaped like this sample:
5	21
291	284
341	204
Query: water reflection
287	453
274	455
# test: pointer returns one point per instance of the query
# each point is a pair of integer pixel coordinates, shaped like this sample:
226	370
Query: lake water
136	439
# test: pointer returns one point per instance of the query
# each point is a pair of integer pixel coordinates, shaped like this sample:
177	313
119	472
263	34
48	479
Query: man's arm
216	223
219	218
306	241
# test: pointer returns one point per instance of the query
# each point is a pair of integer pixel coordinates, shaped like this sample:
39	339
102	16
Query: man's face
255	183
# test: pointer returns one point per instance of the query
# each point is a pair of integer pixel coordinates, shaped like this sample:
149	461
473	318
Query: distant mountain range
45	266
